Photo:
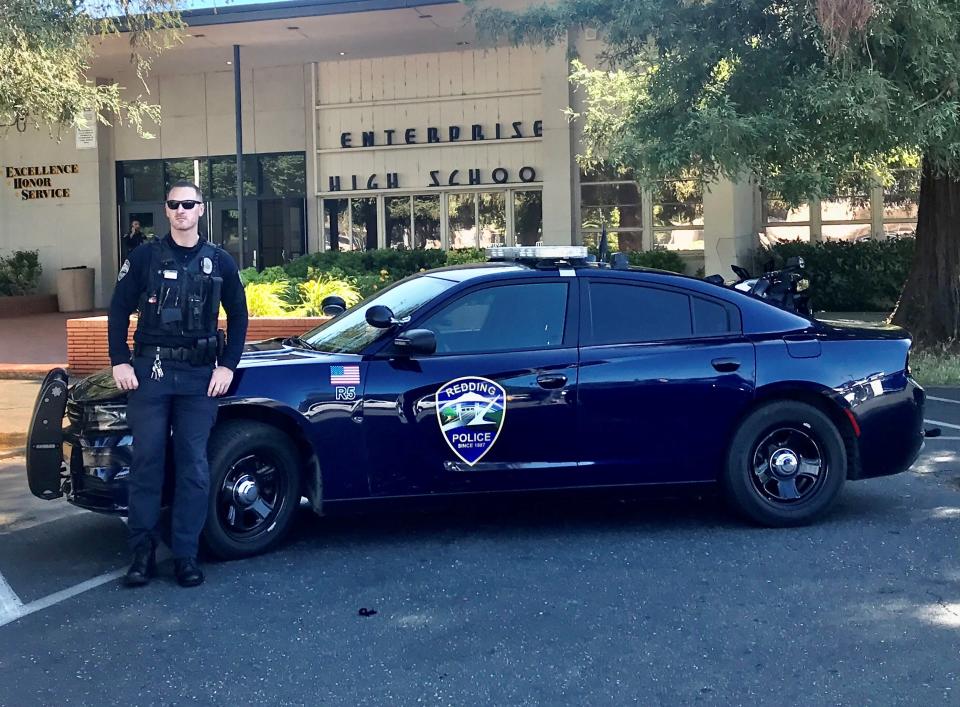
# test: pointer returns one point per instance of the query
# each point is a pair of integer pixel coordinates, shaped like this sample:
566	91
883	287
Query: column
729	235
557	148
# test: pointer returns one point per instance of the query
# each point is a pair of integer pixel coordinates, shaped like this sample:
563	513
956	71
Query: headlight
803	284
105	418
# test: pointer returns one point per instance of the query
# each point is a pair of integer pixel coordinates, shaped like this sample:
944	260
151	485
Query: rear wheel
254	488
786	464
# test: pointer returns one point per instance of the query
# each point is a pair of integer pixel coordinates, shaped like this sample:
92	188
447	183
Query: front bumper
90	469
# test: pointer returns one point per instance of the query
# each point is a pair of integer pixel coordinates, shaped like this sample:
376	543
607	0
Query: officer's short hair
188	185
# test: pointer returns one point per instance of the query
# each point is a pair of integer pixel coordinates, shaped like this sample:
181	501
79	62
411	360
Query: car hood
99	386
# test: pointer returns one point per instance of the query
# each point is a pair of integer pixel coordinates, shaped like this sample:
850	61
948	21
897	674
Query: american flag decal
344	375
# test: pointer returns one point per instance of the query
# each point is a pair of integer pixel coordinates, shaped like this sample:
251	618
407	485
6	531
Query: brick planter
87	337
22	305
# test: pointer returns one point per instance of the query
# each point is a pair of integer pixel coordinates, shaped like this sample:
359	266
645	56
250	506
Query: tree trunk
929	307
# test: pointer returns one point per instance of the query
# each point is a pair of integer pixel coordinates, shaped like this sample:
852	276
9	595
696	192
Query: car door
664	375
505	373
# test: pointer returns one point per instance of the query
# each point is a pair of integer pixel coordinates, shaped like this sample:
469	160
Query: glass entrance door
282	231
224	232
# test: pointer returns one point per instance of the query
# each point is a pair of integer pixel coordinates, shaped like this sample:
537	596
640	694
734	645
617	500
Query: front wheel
254	489
786	464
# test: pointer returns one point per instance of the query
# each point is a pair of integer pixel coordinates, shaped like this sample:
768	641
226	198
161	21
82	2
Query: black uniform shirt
133	282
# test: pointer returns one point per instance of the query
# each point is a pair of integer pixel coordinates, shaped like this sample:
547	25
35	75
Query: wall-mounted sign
434	135
454	178
37	182
87	131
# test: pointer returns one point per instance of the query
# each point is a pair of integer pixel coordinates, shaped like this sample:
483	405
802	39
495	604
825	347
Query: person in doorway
181	364
134	238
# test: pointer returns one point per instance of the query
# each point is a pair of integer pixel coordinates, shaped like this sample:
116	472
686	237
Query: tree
45	51
812	98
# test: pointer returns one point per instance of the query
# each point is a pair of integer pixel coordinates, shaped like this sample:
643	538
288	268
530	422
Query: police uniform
177	292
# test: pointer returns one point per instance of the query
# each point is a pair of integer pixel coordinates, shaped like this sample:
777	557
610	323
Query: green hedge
865	276
20	273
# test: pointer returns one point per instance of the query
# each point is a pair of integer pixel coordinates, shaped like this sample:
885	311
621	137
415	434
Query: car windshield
350	333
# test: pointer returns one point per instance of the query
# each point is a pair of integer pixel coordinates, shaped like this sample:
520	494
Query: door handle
551	381
725	365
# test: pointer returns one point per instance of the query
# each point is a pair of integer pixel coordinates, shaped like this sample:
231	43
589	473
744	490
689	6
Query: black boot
143	567
187	571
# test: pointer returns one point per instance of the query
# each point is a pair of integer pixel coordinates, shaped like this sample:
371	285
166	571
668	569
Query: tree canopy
808	96
46	47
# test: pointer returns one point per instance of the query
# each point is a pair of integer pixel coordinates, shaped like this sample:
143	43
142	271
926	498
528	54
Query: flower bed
87	337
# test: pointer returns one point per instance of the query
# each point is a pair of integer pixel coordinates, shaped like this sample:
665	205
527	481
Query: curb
28	371
12	453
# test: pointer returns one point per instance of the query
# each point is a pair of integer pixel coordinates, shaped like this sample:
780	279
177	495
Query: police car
539	369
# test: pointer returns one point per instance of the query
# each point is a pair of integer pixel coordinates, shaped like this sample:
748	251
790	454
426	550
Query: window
363	224
845	217
712	318
678	214
782	222
426	221
502	318
900	202
492	215
397	213
623	314
141	181
610	197
528	217
462	221
282	175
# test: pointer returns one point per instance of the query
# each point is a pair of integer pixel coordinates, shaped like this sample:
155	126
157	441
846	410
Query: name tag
169	274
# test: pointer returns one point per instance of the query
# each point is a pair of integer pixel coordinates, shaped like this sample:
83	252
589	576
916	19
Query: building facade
371	124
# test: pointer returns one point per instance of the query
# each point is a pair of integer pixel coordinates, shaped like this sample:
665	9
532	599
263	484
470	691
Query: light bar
538	252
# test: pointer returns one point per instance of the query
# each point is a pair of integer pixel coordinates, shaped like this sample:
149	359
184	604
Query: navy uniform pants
178	401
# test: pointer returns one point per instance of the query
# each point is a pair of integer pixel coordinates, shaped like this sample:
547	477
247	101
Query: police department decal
471	412
124	270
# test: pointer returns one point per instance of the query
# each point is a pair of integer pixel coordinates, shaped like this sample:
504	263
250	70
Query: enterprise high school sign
453	133
37	182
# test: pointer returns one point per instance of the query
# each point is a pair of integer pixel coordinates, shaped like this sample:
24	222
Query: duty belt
195	356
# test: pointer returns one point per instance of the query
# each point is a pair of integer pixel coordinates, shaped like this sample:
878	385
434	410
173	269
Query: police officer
180	365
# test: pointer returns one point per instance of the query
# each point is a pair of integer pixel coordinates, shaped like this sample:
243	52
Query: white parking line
943	424
943	400
946	439
10	604
11	608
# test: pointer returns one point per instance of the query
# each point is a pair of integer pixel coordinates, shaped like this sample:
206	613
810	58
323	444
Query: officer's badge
124	270
471	411
207	265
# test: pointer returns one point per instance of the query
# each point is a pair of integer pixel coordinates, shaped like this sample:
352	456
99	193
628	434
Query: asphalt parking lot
551	600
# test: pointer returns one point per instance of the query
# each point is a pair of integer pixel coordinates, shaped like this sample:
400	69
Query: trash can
75	289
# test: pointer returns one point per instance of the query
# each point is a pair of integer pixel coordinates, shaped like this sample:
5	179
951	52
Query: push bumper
45	465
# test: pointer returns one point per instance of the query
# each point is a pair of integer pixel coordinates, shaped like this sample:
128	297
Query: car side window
711	318
623	314
502	318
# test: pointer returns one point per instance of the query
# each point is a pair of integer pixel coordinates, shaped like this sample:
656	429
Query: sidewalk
32	345
29	347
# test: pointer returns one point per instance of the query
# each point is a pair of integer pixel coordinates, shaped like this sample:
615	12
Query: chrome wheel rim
251	497
787	466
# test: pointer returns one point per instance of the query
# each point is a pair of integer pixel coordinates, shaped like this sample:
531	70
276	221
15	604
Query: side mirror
380	316
332	305
416	341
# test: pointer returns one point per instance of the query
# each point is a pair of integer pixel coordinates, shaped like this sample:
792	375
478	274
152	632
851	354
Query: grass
935	366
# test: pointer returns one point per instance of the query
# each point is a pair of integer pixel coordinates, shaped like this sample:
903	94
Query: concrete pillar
314	225
106	275
729	236
557	149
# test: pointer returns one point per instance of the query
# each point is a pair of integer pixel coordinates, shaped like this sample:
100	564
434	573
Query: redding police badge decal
471	412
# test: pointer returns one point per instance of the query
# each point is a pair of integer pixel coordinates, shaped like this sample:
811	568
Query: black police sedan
537	370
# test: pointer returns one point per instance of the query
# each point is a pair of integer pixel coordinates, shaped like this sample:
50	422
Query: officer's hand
219	382
124	377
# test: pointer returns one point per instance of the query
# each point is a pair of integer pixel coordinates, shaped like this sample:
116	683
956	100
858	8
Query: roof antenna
604	248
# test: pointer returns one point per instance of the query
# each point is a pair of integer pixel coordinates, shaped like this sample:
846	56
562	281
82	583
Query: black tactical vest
182	299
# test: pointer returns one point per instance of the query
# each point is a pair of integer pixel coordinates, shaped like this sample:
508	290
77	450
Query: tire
778	442
254	470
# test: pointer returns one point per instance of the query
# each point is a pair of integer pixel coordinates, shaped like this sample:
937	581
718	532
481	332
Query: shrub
865	276
265	299
313	291
658	259
20	273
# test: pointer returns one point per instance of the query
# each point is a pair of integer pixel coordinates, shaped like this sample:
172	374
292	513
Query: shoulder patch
124	270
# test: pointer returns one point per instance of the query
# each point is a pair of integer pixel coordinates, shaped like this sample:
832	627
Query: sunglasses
188	204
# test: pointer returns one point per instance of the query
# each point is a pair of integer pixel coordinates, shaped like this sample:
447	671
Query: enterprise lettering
434	135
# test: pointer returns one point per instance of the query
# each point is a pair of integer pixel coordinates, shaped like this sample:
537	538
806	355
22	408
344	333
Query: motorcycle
784	288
